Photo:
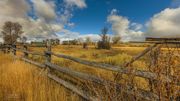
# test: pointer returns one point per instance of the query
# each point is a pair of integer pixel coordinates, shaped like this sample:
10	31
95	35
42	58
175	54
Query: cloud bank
44	9
41	20
165	24
44	22
78	3
127	30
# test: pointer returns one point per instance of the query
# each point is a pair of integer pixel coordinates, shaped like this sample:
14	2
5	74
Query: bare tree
74	42
88	40
104	43
116	39
11	32
24	39
80	41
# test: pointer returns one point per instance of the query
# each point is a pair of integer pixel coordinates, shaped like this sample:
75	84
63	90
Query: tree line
12	32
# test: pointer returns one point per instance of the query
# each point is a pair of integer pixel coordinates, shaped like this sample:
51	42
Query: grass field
20	81
26	81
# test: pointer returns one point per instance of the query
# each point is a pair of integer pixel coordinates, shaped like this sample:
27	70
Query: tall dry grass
165	59
118	56
20	81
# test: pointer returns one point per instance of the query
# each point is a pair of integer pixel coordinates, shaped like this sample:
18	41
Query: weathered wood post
85	45
14	49
47	53
9	48
25	53
1	47
4	48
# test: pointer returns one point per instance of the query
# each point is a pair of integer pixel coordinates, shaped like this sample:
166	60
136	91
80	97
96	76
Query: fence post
14	49
3	48
25	53
47	54
9	48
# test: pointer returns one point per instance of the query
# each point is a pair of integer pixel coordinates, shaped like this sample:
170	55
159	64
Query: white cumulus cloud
47	24
77	3
44	9
93	37
122	27
16	11
165	24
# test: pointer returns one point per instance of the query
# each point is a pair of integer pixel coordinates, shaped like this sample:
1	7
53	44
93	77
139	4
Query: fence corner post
48	54
14	49
4	48
48	51
25	51
9	48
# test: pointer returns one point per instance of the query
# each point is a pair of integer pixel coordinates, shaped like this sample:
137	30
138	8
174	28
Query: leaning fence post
9	48
4	48
47	53
25	52
14	49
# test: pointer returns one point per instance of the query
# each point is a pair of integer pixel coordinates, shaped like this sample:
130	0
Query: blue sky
72	19
92	18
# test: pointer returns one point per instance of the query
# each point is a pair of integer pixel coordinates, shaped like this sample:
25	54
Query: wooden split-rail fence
144	94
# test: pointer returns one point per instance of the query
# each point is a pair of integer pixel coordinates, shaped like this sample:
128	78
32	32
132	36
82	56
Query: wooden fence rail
127	89
140	73
147	95
68	85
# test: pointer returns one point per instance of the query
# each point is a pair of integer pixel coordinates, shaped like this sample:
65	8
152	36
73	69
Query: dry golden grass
119	56
20	81
116	56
